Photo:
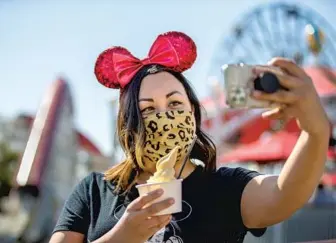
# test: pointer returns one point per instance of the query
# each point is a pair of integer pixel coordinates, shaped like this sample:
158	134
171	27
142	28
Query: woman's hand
300	101
139	223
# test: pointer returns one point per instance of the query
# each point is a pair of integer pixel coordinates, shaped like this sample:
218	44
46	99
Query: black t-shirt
211	208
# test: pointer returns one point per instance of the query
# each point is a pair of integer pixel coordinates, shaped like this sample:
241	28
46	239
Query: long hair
131	132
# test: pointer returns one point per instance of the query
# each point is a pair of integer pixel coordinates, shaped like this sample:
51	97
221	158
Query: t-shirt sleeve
237	179
75	215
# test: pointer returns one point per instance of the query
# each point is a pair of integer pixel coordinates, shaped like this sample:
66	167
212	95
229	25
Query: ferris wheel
278	29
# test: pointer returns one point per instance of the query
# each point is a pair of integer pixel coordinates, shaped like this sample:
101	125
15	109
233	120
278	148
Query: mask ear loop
187	156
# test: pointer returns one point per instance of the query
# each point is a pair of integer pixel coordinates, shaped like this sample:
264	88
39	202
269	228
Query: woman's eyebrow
172	93
167	96
146	99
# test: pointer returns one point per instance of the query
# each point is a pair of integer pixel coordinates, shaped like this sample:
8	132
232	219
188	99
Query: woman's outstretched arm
268	200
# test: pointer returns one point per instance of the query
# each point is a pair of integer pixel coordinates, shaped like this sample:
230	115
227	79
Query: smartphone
240	82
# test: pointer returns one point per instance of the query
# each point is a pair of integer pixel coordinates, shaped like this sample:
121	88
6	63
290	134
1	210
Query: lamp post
216	91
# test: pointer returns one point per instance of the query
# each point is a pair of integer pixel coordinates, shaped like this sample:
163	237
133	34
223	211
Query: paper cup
172	189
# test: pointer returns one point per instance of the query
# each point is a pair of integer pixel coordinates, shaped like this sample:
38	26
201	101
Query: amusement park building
54	156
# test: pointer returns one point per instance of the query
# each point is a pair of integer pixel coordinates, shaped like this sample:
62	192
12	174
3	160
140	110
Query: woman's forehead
160	84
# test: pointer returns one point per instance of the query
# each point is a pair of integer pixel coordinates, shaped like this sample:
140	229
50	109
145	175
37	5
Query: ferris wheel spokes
278	29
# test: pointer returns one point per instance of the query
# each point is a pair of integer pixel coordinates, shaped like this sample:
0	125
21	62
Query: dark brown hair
131	132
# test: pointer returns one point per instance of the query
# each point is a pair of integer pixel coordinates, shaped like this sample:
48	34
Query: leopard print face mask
166	130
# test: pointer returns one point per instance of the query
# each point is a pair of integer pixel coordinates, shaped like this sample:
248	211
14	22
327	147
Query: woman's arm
135	226
267	200
74	237
67	237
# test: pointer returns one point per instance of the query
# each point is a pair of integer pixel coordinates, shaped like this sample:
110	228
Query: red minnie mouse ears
116	66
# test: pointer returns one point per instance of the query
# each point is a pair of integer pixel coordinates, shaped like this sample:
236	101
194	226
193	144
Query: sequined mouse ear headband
116	66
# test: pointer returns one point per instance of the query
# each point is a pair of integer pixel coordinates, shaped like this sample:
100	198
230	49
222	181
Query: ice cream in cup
164	178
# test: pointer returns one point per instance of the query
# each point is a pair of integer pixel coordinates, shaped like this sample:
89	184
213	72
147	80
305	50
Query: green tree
8	164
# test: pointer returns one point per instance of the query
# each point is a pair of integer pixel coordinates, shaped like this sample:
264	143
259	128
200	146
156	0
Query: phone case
239	85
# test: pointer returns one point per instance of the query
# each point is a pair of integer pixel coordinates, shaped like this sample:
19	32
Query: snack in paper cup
164	178
171	189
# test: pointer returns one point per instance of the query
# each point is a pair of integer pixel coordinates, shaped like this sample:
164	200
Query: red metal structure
49	166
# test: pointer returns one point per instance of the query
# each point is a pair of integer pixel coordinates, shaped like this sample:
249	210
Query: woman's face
162	92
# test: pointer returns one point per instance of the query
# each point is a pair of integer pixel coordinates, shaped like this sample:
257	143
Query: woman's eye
147	109
175	103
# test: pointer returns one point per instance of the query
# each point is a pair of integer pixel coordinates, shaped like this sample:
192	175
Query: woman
218	206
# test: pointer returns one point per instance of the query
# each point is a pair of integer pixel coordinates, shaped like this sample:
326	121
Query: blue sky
40	40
